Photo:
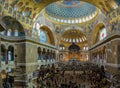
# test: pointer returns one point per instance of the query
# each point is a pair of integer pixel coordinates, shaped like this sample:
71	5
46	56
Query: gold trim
60	23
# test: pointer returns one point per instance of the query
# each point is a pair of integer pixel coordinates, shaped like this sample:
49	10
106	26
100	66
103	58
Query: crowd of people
73	75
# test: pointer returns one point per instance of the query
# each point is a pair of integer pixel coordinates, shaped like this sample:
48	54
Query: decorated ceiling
26	9
32	8
73	36
69	10
72	11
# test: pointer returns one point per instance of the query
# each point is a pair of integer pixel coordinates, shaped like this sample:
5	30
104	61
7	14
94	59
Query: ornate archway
13	25
96	33
50	34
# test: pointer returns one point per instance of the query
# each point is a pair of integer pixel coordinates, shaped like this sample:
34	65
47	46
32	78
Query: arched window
16	33
9	32
73	40
80	20
39	53
3	32
70	40
11	53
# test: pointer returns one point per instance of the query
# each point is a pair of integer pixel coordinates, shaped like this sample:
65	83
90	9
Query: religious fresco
36	27
70	2
57	29
0	9
117	1
13	2
38	1
102	34
6	6
10	10
43	36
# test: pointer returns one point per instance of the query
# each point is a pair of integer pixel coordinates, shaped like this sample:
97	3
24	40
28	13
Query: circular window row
77	20
63	48
85	48
75	40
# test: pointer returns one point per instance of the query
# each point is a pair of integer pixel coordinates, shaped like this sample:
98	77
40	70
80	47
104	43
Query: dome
69	11
74	36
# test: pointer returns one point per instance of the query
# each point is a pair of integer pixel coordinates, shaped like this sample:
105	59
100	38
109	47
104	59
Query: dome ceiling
71	11
74	36
36	6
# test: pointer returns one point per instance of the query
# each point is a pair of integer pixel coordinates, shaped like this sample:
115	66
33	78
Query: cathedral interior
59	44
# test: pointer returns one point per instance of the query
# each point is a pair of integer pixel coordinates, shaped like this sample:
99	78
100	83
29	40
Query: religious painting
0	9
117	1
6	6
57	28
10	10
23	19
43	36
113	4
36	26
13	2
103	34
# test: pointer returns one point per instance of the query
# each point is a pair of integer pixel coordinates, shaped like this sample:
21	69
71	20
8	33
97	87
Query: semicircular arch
50	34
96	32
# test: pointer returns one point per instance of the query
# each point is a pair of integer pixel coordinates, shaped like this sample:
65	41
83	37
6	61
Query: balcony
24	38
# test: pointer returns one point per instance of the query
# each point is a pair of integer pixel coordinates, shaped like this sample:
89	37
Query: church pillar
6	56
41	54
0	66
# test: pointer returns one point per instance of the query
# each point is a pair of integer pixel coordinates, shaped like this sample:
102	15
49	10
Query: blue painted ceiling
70	9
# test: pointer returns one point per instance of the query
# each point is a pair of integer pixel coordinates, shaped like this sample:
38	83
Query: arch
9	32
10	53
3	52
13	24
99	4
72	35
95	37
50	34
39	53
1	28
44	54
16	33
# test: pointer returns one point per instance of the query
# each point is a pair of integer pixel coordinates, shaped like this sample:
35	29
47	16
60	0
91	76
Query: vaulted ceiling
35	6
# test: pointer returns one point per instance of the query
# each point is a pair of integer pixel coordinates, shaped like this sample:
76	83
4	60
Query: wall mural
103	34
57	28
43	36
36	27
117	1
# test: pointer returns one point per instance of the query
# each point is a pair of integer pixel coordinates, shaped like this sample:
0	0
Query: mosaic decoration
43	36
82	10
36	27
103	34
70	2
57	29
38	1
11	23
117	1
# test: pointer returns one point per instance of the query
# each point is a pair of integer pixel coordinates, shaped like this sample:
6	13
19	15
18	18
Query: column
44	54
55	56
6	56
47	56
41	54
0	66
51	55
